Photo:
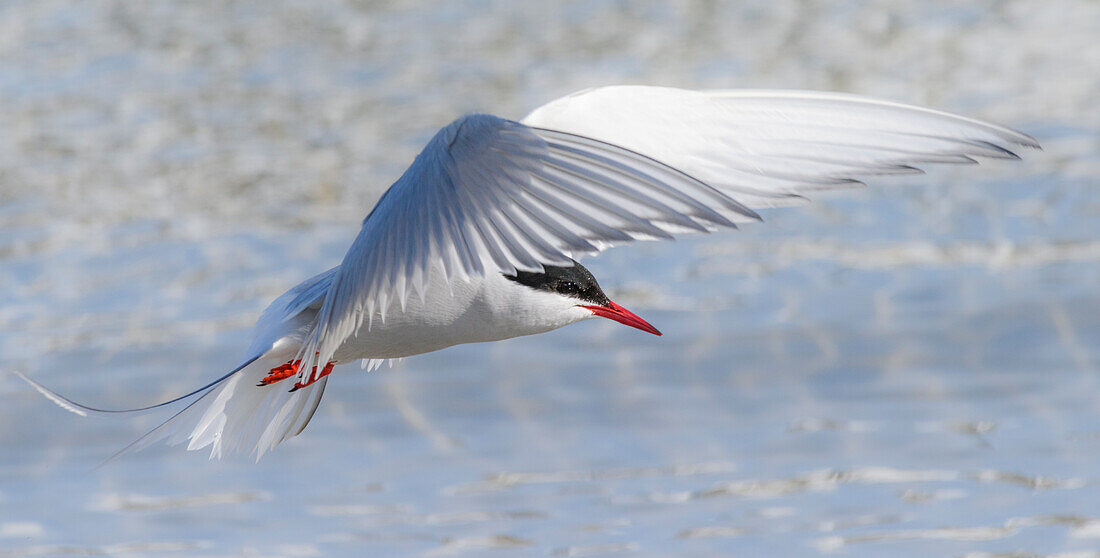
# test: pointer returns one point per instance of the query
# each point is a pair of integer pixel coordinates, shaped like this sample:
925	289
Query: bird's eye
568	287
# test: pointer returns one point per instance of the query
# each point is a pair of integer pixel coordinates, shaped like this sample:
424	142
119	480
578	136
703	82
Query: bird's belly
396	340
470	315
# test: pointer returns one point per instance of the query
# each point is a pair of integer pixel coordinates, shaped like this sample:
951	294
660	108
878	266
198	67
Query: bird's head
580	290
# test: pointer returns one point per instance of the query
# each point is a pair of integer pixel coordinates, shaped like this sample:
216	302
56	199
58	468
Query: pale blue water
906	370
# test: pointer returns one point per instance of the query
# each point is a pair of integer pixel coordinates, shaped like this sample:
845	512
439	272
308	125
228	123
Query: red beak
623	316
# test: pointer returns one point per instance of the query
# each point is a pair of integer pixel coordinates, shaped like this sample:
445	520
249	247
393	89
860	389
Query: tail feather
238	416
230	415
85	410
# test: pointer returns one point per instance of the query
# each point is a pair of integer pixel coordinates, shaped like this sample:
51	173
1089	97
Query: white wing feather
769	148
616	164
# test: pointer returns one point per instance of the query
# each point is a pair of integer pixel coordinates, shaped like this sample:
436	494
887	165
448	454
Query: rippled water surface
906	370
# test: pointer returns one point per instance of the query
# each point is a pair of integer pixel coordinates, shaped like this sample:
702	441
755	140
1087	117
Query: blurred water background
905	370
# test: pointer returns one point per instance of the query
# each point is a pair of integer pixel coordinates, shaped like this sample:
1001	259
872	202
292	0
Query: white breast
487	308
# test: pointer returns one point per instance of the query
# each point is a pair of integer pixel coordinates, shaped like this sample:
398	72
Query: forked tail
231	414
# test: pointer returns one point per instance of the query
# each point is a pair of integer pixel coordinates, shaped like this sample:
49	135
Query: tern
478	240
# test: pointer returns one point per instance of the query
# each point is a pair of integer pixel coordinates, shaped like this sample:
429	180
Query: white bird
477	240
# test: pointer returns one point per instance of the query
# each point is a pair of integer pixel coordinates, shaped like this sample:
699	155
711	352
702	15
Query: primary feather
771	148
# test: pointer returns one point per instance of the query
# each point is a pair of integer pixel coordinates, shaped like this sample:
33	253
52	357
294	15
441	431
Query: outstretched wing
771	148
618	164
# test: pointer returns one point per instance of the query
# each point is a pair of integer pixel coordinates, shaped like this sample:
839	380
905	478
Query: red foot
280	373
289	369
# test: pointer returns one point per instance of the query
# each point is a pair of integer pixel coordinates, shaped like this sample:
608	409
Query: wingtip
742	210
1004	151
1026	140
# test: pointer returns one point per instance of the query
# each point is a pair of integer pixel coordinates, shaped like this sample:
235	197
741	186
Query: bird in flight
478	240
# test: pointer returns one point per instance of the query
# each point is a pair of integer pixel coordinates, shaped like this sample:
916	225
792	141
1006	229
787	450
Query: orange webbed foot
280	373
